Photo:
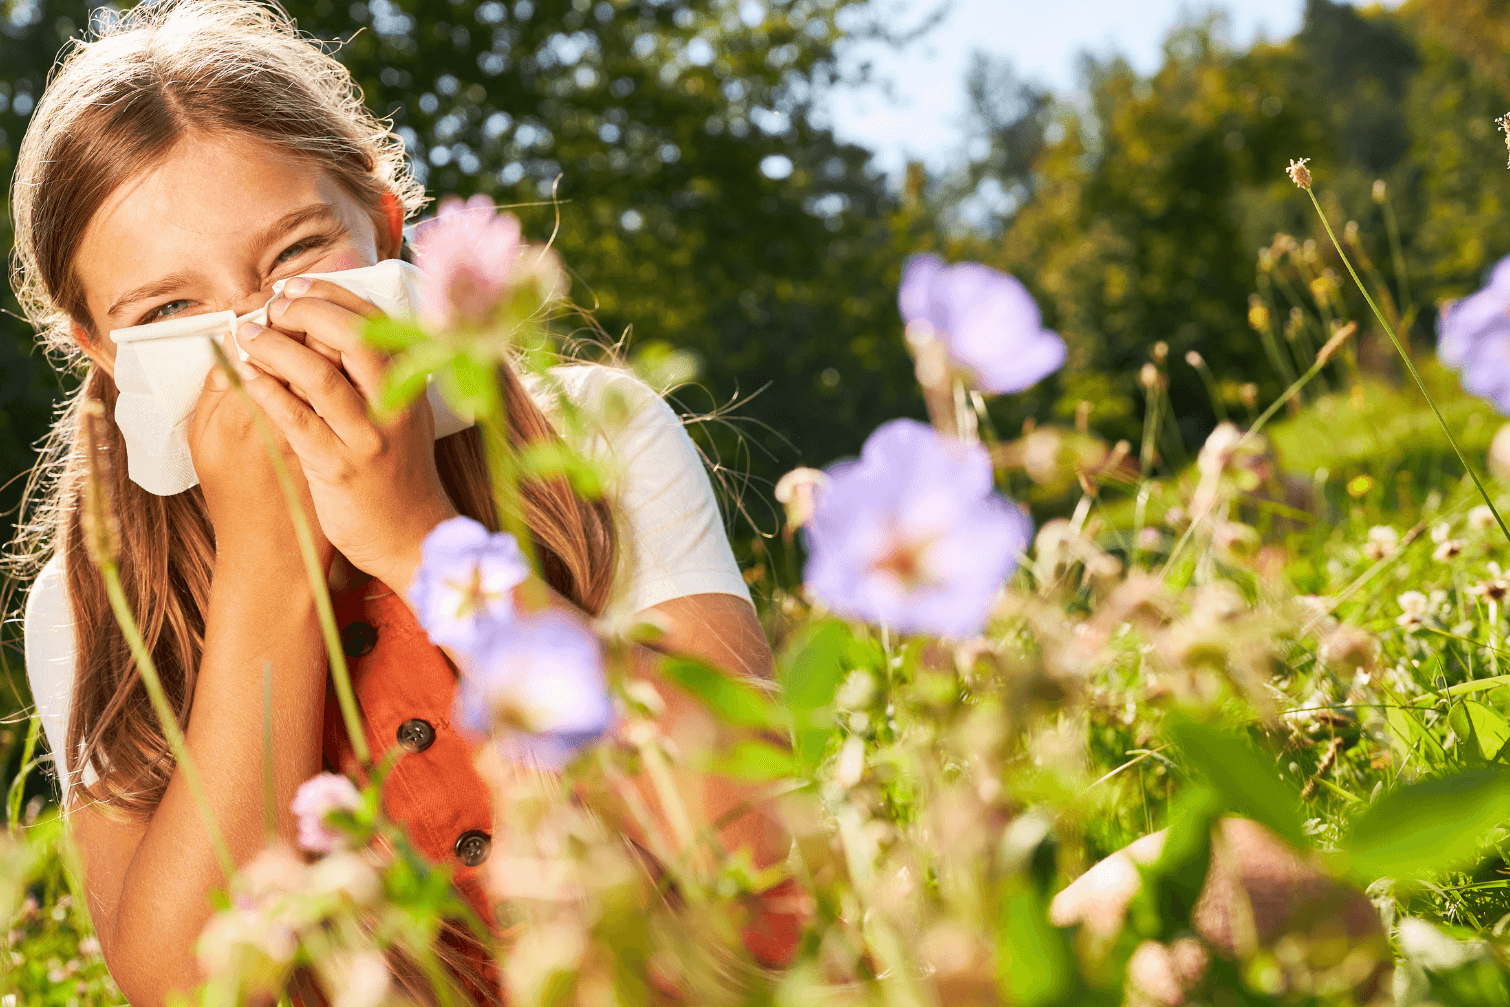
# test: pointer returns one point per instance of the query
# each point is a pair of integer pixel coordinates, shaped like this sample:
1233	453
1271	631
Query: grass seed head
102	537
1300	174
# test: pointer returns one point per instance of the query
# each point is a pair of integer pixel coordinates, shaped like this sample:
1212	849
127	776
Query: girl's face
211	228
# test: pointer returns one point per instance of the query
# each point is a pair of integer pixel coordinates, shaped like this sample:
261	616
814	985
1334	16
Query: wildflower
362	979
1447	550
315	799
796	491
1300	174
536	684
1349	647
345	873
986	320
1148	377
1379	190
912	534
1415	607
1194	359
478	271
1382	541
1160	352
1493	589
465	582
1258	313
1481	518
1473	337
1441	532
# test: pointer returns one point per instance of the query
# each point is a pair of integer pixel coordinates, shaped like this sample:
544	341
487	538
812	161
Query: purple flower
1474	337
465	582
476	266
912	535
986	320
315	799
536	684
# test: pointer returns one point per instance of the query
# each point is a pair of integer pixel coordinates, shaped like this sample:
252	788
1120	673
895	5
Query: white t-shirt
672	541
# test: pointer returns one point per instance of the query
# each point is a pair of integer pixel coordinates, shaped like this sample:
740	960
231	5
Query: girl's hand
374	485
248	508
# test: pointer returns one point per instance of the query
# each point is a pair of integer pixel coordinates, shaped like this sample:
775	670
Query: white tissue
160	370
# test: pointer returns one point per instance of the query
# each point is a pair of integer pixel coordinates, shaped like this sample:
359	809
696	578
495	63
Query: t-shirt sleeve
49	643
672	534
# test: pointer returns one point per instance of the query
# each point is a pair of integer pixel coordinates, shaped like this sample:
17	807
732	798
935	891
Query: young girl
186	160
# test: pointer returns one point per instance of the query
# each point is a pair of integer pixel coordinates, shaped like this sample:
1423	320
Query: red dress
405	686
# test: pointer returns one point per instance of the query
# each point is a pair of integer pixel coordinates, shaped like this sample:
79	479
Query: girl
183	162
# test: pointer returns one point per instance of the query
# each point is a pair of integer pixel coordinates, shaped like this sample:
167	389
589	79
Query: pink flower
316	798
478	271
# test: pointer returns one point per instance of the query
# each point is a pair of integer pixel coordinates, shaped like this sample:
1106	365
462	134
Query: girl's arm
149	884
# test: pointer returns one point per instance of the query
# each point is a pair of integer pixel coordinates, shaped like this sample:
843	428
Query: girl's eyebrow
154	289
264	238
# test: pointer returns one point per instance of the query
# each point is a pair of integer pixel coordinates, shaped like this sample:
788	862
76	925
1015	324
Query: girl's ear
92	349
393	210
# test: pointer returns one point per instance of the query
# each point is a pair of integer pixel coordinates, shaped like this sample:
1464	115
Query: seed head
1340	336
1300	174
1194	359
102	539
1148	377
1160	352
1379	191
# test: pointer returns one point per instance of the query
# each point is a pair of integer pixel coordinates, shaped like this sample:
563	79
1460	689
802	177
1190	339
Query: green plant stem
1410	366
340	675
503	472
1397	253
174	733
18	785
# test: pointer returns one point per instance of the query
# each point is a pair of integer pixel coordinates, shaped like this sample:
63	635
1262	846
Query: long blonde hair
116	105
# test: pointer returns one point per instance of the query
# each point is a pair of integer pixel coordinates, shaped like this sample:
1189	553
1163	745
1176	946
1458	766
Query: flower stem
18	785
1409	366
165	715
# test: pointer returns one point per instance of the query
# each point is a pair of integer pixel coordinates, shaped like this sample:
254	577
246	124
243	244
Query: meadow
1304	627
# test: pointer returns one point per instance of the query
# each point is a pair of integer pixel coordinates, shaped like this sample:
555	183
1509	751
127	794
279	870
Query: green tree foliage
698	204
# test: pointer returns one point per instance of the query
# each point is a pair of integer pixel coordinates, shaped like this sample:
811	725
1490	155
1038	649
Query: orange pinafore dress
405	687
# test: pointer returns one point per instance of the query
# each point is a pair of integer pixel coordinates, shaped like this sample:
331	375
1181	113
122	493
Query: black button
472	847
358	638
416	735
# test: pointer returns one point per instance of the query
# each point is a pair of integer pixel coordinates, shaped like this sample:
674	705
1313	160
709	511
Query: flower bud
1249	394
1258	313
1148	377
1379	190
1160	352
1195	360
797	492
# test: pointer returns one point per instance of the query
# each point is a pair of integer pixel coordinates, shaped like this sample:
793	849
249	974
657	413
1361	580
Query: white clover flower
1415	607
1382	541
1441	532
1448	550
1481	518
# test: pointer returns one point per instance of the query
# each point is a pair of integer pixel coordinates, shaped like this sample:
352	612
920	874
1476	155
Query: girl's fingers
310	436
312	377
334	327
304	286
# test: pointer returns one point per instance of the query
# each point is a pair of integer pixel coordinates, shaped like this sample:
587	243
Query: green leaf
468	386
756	761
1249	783
1172	884
392	334
1481	727
731	700
810	668
1036	961
1429	826
554	459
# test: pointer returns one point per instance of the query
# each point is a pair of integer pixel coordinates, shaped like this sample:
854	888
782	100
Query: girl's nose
251	301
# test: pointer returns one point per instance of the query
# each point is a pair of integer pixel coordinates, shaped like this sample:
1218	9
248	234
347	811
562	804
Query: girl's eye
298	248
162	311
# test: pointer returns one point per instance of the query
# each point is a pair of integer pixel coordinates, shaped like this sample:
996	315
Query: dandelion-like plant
1301	176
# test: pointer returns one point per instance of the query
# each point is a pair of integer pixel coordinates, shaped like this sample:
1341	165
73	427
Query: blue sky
1042	38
